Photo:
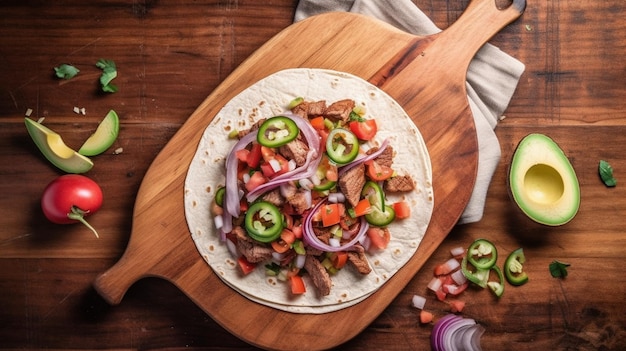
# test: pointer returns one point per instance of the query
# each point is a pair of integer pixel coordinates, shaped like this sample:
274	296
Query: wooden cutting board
426	75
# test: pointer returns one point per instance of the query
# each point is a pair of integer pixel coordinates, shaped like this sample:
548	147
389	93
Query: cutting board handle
480	21
113	284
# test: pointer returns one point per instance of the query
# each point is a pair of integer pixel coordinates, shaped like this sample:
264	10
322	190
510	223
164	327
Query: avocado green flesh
103	137
54	149
543	182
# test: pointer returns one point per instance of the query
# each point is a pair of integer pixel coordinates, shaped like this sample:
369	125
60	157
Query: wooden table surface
172	54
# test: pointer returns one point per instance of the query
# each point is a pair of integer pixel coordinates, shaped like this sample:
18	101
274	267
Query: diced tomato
243	205
242	168
317	123
245	265
446	268
280	245
441	295
378	172
425	317
362	208
267	153
339	259
402	209
379	237
288	236
456	306
330	214
454	289
254	156
256	179
297	231
242	155
364	130
323	136
269	171
297	285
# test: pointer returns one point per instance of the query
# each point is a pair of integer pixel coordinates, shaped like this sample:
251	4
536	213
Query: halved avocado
543	182
55	150
103	137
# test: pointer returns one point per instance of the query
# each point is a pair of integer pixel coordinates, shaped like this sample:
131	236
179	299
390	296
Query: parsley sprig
109	72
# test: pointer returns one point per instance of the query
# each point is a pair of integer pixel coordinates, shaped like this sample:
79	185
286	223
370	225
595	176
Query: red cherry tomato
364	130
71	197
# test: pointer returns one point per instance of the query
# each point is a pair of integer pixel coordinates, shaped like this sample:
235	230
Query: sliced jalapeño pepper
277	131
321	173
513	267
372	191
482	254
479	277
342	146
264	222
497	287
380	217
219	196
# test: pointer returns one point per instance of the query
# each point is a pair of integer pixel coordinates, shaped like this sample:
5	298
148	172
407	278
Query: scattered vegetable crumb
456	306
529	27
40	120
425	317
558	269
29	112
118	151
76	110
83	111
419	301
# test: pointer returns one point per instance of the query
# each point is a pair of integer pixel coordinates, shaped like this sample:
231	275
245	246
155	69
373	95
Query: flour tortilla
269	97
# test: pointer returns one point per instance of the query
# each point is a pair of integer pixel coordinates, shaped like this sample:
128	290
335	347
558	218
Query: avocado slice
103	137
543	182
55	150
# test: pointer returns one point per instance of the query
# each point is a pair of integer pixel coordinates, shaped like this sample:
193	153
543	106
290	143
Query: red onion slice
453	332
231	196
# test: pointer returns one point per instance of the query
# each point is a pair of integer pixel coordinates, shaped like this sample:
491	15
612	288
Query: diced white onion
457	251
306	183
453	264
219	222
435	284
315	179
334	242
419	301
300	260
308	197
292	165
275	165
459	277
336	197
232	248
246	178
277	257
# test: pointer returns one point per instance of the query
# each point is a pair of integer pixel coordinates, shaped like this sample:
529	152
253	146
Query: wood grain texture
173	54
166	250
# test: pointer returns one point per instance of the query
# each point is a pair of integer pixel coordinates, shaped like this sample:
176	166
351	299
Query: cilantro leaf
558	269
109	72
66	71
606	173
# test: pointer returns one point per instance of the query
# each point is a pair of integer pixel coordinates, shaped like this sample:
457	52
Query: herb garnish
109	72
558	269
606	173
66	71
